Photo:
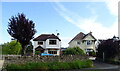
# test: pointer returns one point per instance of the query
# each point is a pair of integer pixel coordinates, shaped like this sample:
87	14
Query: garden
72	58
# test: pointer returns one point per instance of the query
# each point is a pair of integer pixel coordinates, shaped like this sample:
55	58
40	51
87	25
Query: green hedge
49	66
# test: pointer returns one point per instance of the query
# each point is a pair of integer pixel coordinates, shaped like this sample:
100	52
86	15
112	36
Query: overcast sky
68	18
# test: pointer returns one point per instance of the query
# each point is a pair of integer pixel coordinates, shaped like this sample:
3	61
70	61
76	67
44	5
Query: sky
66	18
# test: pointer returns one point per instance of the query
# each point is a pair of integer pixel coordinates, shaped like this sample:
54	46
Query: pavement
1	64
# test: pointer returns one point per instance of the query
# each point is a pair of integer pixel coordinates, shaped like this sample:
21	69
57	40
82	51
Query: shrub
74	51
12	47
109	47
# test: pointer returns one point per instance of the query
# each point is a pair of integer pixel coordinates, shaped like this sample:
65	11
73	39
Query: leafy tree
74	51
21	29
110	48
12	47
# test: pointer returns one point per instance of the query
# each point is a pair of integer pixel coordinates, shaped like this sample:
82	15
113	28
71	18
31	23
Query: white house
47	43
85	41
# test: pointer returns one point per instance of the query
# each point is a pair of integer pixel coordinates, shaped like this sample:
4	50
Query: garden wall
24	59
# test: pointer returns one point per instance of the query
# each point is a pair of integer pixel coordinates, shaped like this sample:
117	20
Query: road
100	66
103	66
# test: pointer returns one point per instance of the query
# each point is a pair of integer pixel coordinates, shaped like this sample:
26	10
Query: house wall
46	45
83	45
58	44
88	37
58	52
36	44
92	46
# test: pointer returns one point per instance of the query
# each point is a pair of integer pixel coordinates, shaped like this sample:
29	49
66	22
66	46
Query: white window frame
88	42
78	43
53	40
40	44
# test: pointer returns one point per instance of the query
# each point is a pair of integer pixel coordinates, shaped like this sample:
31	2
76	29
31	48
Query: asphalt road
105	66
100	66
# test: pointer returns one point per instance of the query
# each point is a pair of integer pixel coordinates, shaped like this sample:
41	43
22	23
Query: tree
110	48
21	29
74	51
12	47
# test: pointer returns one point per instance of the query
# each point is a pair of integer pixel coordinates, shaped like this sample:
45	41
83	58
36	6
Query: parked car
45	54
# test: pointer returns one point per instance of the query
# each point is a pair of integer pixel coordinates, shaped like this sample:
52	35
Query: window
52	51
89	42
52	42
78	43
89	50
40	43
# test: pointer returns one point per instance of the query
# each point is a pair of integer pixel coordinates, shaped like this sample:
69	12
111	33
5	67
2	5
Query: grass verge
49	66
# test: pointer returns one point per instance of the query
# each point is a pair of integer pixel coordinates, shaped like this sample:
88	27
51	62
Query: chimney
90	32
58	34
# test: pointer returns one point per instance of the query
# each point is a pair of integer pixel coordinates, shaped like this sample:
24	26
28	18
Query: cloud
99	31
65	41
90	23
112	5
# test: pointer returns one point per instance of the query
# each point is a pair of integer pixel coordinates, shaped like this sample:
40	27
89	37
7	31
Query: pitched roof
44	37
39	48
90	33
81	36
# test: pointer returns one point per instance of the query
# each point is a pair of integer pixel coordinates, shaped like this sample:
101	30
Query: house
47	43
85	41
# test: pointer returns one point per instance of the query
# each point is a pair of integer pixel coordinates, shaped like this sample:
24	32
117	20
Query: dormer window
88	42
40	43
52	42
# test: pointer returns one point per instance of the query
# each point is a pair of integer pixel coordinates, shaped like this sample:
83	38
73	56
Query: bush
74	51
12	47
110	48
45	66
